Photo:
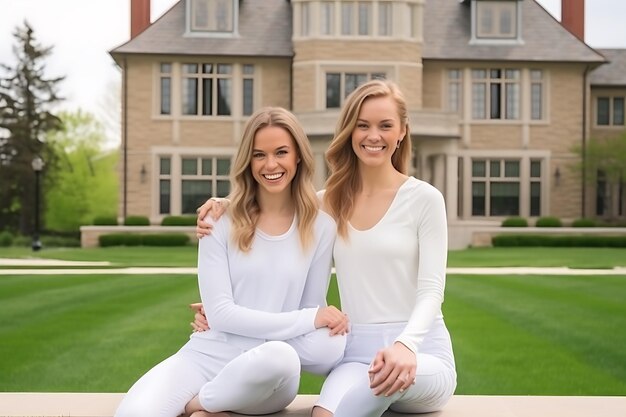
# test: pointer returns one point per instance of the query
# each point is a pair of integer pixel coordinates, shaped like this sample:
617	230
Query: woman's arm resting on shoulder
215	207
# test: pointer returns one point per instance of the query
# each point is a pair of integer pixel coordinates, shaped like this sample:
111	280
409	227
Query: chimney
573	17
140	16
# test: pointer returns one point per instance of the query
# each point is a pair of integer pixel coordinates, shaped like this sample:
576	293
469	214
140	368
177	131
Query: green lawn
550	335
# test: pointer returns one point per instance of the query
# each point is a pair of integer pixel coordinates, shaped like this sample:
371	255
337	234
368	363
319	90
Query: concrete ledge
104	405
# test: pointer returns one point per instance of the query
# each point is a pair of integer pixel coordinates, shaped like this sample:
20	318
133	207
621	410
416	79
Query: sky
83	31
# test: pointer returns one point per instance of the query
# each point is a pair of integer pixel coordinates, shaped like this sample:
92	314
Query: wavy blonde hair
344	180
244	208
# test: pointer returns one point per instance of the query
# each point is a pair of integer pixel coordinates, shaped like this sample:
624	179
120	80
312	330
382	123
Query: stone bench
104	405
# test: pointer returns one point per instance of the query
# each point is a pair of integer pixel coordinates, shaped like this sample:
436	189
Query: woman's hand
393	369
213	206
332	318
200	322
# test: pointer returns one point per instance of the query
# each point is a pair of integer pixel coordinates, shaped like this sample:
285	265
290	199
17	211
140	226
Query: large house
500	94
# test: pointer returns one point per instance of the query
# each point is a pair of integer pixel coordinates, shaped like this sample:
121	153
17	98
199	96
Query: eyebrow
277	149
382	121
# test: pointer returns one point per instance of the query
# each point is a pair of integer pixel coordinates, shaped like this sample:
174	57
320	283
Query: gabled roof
613	73
447	34
264	30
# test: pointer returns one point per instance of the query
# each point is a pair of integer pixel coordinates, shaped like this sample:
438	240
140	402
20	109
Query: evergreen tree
26	100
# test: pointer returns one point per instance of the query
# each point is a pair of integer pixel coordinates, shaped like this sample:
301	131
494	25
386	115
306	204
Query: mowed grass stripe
101	336
516	327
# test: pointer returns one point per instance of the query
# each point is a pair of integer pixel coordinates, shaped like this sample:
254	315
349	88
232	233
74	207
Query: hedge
6	239
136	239
136	221
548	222
105	221
559	241
515	222
584	223
178	221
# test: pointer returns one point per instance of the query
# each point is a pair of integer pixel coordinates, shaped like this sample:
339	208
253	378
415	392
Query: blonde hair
344	180
244	208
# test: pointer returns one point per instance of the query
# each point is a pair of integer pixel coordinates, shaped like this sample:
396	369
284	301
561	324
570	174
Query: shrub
105	221
178	221
60	242
548	222
136	221
136	239
6	238
584	223
515	222
559	241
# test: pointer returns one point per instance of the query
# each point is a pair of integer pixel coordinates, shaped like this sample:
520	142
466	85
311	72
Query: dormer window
495	20
212	16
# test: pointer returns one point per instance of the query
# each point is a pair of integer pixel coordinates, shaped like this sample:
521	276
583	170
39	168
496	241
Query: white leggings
346	391
229	376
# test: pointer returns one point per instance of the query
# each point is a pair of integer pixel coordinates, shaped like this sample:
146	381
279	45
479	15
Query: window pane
247	97
207	68
504	199
190	94
494	169
506	22
512	101
164	196
190	68
223	166
346	19
224	69
478	199
454	96
485	16
223	97
535	198
207	166
223	188
248	69
352	81
603	111
166	95
478	100
618	111
164	166
194	194
190	166
479	74
536	101
535	169
511	169
166	68
364	18
304	19
479	169
494	97
384	19
207	96
327	21
333	90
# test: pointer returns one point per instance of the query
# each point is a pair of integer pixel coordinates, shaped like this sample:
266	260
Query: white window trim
611	126
516	40
210	34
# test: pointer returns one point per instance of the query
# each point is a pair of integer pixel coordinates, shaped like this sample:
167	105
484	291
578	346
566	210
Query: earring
398	144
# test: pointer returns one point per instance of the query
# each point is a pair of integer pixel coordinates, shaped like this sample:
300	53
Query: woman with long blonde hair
263	276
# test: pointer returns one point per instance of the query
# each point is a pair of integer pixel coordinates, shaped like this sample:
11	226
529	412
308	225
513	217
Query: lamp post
37	165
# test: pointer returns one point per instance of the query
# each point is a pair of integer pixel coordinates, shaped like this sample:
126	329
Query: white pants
346	391
231	375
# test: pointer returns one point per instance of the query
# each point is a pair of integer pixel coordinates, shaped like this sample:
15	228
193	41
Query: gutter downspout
584	142
125	140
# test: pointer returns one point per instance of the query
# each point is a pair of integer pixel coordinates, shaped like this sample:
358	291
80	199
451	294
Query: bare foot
207	414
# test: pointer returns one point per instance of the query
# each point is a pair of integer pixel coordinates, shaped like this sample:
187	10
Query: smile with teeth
373	148
273	176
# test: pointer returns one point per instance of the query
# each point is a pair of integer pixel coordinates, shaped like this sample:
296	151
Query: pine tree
26	100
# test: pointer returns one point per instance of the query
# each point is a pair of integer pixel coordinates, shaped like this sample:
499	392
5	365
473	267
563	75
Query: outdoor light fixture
557	176
37	166
143	173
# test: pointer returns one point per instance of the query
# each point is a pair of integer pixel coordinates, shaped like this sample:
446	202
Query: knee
280	359
326	351
135	407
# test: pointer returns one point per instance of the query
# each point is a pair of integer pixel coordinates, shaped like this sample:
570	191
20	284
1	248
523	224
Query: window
356	18
496	19
203	177
495	187
248	90
536	94
207	89
305	19
385	22
212	15
610	111
455	83
415	20
165	76
496	94
535	188
339	85
165	182
327	18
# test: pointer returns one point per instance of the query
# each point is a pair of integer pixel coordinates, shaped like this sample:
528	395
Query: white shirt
271	292
395	271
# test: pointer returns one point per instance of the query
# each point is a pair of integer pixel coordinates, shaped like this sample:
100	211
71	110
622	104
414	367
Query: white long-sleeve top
395	271
271	292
